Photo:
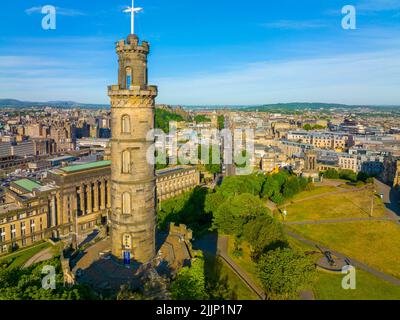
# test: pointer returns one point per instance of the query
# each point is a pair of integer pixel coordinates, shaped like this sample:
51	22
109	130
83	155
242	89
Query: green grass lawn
376	243
20	257
333	206
368	287
328	286
245	261
314	192
217	271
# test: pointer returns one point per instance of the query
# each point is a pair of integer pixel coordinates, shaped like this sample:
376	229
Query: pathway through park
45	254
354	263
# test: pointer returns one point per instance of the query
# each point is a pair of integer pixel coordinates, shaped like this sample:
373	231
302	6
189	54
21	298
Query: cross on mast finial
132	10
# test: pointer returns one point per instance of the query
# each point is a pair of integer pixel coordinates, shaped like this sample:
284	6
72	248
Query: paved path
222	251
45	254
355	263
218	246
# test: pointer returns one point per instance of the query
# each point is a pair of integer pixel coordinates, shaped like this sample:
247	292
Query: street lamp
284	213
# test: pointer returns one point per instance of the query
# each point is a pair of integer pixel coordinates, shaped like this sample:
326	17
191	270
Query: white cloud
60	11
369	78
294	24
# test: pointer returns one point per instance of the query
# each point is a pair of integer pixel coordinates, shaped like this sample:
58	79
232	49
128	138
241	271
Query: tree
331	174
189	283
213	201
201	118
264	233
285	272
235	185
362	176
161	164
163	117
348	175
270	187
235	212
211	167
221	122
291	187
26	284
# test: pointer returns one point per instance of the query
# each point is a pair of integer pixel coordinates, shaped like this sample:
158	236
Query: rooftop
28	184
86	166
61	158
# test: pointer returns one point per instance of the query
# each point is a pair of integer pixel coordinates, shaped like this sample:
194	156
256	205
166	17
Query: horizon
92	105
279	53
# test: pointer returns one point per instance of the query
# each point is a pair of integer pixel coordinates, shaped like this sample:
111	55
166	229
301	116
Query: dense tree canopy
284	273
189	283
163	117
221	122
26	284
264	233
201	118
348	175
235	212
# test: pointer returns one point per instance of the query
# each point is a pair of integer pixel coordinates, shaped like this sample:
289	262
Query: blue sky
206	52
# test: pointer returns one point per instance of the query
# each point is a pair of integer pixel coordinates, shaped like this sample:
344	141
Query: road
391	198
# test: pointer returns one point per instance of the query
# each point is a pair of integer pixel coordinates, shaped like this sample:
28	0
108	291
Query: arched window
126	203
128	77
125	124
126	161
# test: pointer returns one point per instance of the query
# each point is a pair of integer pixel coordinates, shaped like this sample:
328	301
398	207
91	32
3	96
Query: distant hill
288	106
60	104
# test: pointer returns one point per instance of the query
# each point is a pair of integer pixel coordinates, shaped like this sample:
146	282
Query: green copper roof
86	166
27	184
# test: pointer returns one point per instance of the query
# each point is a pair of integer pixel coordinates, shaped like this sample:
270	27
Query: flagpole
133	18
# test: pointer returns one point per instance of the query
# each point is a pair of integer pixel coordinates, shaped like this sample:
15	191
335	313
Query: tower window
126	161
128	77
126	124
126	203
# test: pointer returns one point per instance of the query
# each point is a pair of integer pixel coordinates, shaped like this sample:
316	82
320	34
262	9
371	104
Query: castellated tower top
132	59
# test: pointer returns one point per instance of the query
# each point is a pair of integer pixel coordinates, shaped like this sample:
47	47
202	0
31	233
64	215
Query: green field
368	287
328	286
245	261
376	243
334	206
218	272
314	192
20	257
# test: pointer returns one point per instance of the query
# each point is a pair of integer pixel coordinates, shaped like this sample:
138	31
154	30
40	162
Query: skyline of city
280	52
204	180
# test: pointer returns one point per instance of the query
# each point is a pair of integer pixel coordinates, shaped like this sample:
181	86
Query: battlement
115	90
132	44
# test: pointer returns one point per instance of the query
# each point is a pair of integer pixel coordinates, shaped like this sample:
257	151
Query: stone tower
133	217
310	161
